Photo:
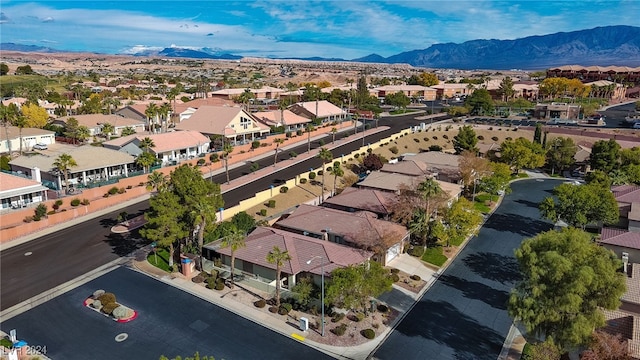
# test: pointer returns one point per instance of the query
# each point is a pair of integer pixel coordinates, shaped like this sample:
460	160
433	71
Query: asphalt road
464	313
74	251
170	322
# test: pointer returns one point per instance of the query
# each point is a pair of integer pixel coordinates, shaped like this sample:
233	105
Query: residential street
464	314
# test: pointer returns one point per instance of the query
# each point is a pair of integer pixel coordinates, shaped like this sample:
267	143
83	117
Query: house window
244	122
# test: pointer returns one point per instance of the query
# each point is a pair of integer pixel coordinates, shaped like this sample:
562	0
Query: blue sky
296	28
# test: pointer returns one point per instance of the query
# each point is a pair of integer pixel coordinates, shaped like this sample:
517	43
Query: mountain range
609	45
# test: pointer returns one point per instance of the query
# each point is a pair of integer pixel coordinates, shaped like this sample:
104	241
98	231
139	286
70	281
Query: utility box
188	267
304	324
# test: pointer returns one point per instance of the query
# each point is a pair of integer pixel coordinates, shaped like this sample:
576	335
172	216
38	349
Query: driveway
464	314
170	322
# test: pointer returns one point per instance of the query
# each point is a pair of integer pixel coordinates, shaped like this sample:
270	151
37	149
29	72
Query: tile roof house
286	118
323	110
371	200
94	164
628	198
445	165
625	240
393	182
169	146
427	93
17	191
358	230
10	138
626	320
265	92
409	167
94	122
252	259
234	123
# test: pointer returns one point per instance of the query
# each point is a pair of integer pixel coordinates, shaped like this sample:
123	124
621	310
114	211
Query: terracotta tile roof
633	285
396	88
216	119
213	101
11	182
626	193
301	249
362	231
364	199
389	181
93	121
325	108
87	157
407	167
276	117
622	238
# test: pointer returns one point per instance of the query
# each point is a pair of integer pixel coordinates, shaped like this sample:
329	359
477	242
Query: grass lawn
162	259
401	111
481	202
521	175
434	256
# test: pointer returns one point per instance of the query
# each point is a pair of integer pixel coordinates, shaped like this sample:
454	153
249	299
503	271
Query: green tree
337	171
461	218
308	129
165	223
107	130
428	79
71	128
353	286
522	153
567	280
465	140
605	346
479	102
62	164
4	69
633	173
579	205
127	131
605	155
243	222
278	257
599	178
630	156
156	181
82	133
151	112
537	135
398	99
506	89
24	70
561	154
146	144
325	156
234	239
498	181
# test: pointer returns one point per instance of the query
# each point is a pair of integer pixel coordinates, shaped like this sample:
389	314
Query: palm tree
146	160
278	257
333	134
234	238
108	129
429	189
127	131
309	129
227	149
156	181
163	111
277	141
20	122
151	112
146	144
62	164
337	170
202	213
82	133
326	156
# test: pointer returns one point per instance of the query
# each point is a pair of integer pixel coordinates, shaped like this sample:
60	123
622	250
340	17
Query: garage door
392	253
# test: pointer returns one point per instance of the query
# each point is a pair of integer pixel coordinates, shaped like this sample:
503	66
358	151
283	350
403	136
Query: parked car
40	146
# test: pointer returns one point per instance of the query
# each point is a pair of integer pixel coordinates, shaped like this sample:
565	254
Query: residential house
169	147
354	199
412	91
20	191
251	260
286	118
262	94
626	320
323	110
12	136
627	238
95	164
233	123
451	91
444	166
624	74
558	111
394	182
359	230
94	123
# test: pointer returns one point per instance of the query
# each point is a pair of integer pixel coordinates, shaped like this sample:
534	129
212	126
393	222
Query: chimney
36	174
625	261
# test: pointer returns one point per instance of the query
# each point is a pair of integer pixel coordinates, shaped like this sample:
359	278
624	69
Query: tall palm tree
278	257
326	156
277	141
202	213
333	134
429	189
108	129
146	160
156	181
21	122
62	164
146	144
82	133
227	149
151	112
337	170
163	111
234	239
309	129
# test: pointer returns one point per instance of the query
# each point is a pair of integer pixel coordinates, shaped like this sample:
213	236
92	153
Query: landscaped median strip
298	337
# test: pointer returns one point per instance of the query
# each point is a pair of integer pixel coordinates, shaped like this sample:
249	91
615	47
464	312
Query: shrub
359	317
141	184
75	202
337	317
287	134
255	144
395	277
340	330
394	150
490	127
213	274
51	212
122	312
293	154
121	190
85	202
435	148
415	277
113	190
509	138
282	311
312	175
494	138
273	309
321	142
376	325
284	189
109	307
320	172
425	138
383	308
480	137
97	293
286	306
445	136
28	219
129	187
107	298
260	303
198	279
416	251
271	204
303	180
214	158
416	140
395	271
211	283
356	156
263	212
96	304
40	211
368	333
219	285
435	138
57	204
299	132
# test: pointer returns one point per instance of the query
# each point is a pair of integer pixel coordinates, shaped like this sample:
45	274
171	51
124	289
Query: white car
40	146
636	125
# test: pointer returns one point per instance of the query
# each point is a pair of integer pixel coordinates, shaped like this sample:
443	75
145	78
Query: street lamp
322	285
